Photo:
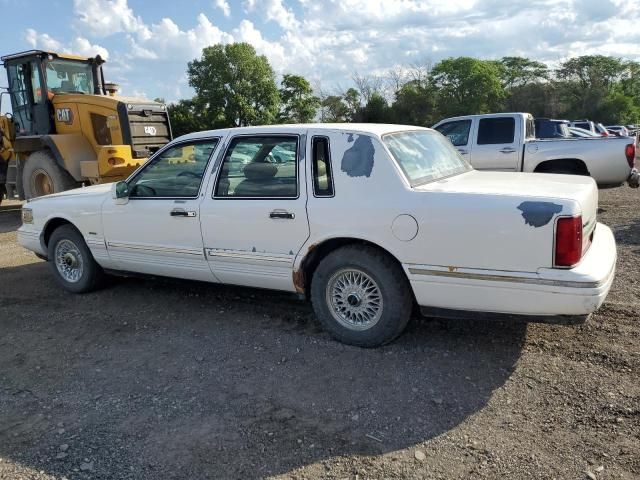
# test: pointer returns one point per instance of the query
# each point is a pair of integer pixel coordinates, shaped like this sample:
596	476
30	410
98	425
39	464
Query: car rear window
425	155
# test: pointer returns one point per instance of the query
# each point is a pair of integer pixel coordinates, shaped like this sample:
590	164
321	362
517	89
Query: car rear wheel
71	261
361	296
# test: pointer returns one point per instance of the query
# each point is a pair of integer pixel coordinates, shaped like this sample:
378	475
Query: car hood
92	190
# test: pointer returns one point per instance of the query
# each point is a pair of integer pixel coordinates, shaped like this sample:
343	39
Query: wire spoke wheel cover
354	299
69	261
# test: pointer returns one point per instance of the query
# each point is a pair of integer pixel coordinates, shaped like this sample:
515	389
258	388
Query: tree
299	105
186	118
334	110
234	85
415	104
520	71
376	110
467	85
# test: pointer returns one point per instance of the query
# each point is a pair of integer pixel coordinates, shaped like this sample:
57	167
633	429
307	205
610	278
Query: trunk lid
539	186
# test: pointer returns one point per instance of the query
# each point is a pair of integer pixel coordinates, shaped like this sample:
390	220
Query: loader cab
35	77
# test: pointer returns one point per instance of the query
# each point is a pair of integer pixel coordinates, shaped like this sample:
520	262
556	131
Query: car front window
174	173
425	155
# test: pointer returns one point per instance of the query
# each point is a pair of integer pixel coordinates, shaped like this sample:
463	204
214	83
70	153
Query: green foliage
186	118
299	105
467	85
234	86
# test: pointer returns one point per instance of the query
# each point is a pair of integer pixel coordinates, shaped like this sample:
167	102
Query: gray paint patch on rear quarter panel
357	161
538	214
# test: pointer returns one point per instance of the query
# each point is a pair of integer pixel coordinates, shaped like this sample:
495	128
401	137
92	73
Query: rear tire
41	175
72	263
361	296
563	168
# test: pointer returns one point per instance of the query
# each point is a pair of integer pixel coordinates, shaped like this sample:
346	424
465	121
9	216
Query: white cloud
273	11
78	46
223	5
106	17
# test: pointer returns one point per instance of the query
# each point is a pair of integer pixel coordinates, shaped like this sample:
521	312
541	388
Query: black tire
389	281
67	246
563	168
3	191
41	175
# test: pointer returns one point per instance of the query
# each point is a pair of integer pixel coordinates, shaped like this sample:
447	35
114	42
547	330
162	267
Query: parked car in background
600	128
584	124
582	133
507	142
551	128
363	219
618	130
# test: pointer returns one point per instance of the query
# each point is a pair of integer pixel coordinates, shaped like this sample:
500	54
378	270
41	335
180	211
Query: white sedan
365	220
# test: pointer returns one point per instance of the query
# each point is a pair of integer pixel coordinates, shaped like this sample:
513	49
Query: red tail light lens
568	241
630	153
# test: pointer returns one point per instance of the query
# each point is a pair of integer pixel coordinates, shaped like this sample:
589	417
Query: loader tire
41	175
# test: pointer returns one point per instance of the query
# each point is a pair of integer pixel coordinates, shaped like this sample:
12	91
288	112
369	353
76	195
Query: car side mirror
120	192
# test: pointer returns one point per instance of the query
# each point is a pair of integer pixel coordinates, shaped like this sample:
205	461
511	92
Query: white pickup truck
507	142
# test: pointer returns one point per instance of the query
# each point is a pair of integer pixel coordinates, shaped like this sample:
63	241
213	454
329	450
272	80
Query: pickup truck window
321	165
424	156
493	131
457	131
174	173
259	167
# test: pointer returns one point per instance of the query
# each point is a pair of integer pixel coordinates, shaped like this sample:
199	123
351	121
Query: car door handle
282	214
508	150
462	151
179	212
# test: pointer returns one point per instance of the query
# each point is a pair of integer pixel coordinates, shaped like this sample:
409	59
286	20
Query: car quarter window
456	131
175	172
321	166
259	167
496	130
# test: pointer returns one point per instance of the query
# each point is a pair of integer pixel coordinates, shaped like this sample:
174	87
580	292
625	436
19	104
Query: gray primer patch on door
538	214
357	161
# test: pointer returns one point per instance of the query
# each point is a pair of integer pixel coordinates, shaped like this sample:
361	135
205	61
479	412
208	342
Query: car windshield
425	155
69	76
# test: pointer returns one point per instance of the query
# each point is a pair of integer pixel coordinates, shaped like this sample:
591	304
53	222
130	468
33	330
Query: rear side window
321	165
496	130
457	131
259	167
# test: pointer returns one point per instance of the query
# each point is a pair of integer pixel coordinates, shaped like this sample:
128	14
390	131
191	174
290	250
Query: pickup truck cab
365	220
507	142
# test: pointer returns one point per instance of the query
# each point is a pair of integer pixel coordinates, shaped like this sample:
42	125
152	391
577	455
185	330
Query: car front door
496	145
458	132
156	230
254	220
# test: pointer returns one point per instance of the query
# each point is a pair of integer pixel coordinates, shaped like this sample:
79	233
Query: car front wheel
361	296
72	263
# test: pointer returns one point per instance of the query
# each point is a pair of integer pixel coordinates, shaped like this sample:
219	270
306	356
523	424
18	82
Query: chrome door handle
282	214
508	150
179	212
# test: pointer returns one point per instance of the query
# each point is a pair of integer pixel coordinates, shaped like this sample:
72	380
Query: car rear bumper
550	292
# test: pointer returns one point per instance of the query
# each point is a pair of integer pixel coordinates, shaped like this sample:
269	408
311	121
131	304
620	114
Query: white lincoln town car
364	220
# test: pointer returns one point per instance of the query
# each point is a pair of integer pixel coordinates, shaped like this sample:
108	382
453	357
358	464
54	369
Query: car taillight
630	153
568	241
605	134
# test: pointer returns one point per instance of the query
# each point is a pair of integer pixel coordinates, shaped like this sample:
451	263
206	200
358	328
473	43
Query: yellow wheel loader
69	128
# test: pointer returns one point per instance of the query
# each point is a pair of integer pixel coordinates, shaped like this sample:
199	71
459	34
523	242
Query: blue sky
148	43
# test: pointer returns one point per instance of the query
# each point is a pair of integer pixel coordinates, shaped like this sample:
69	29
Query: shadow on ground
10	219
150	379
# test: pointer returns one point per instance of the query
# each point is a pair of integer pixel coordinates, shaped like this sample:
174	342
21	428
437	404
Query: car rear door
496	144
254	217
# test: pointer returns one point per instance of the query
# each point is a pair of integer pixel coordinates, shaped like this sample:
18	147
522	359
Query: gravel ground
159	379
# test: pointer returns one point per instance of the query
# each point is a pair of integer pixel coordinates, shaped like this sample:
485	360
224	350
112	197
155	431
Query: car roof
371	128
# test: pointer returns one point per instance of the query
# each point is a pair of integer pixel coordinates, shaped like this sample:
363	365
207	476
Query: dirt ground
177	380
